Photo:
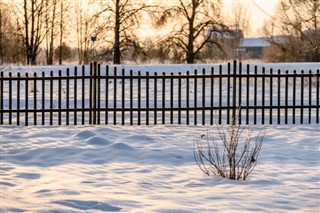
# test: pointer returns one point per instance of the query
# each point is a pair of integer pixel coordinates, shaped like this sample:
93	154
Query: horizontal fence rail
100	96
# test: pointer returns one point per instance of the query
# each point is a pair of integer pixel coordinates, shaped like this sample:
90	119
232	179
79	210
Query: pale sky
258	11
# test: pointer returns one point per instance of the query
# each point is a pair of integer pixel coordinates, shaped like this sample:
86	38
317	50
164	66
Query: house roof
254	42
226	34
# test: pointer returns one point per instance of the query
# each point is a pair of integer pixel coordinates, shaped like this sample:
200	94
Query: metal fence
103	96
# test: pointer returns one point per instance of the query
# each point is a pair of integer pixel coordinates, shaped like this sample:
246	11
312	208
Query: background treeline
149	31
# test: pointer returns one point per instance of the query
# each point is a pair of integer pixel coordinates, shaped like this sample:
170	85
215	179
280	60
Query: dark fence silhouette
100	96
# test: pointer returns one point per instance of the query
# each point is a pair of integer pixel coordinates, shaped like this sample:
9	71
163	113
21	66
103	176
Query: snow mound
98	141
85	134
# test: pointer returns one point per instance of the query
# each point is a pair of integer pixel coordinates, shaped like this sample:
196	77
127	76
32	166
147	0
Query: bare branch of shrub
230	153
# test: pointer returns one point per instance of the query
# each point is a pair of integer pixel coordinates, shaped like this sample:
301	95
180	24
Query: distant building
252	47
226	34
228	40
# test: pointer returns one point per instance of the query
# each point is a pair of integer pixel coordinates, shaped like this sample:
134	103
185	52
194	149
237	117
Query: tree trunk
190	47
116	45
61	32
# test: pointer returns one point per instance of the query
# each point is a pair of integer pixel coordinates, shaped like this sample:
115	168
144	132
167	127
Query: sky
258	11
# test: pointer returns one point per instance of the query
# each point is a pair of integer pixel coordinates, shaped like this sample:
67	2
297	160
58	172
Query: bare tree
1	36
64	8
31	18
122	17
239	22
189	36
51	28
86	28
9	37
298	20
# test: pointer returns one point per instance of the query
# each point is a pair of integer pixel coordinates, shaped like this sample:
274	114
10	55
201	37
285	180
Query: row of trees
58	28
298	23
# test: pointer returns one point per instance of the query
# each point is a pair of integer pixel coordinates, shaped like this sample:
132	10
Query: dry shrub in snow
231	153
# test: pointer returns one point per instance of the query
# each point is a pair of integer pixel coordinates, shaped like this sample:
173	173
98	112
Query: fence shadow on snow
103	96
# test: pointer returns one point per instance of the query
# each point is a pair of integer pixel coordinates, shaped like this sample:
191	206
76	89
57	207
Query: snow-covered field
152	169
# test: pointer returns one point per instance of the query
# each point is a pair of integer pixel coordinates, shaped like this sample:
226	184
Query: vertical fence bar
302	97
271	97
51	98
115	97
187	97
75	95
147	98
83	95
94	98
155	89
107	96
59	96
211	95
18	99
248	94
139	98
98	79
203	96
131	97
240	94
43	92
318	97
1	97
179	98
310	95
286	98
294	87
279	96
228	93
195	96
35	98
163	97
10	98
255	95
67	96
91	79
171	98
234	92
263	95
220	94
27	99
123	97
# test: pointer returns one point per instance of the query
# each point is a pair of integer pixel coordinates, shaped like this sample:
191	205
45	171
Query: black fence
103	96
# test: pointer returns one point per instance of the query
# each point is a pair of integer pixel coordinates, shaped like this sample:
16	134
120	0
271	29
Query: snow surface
170	68
151	168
